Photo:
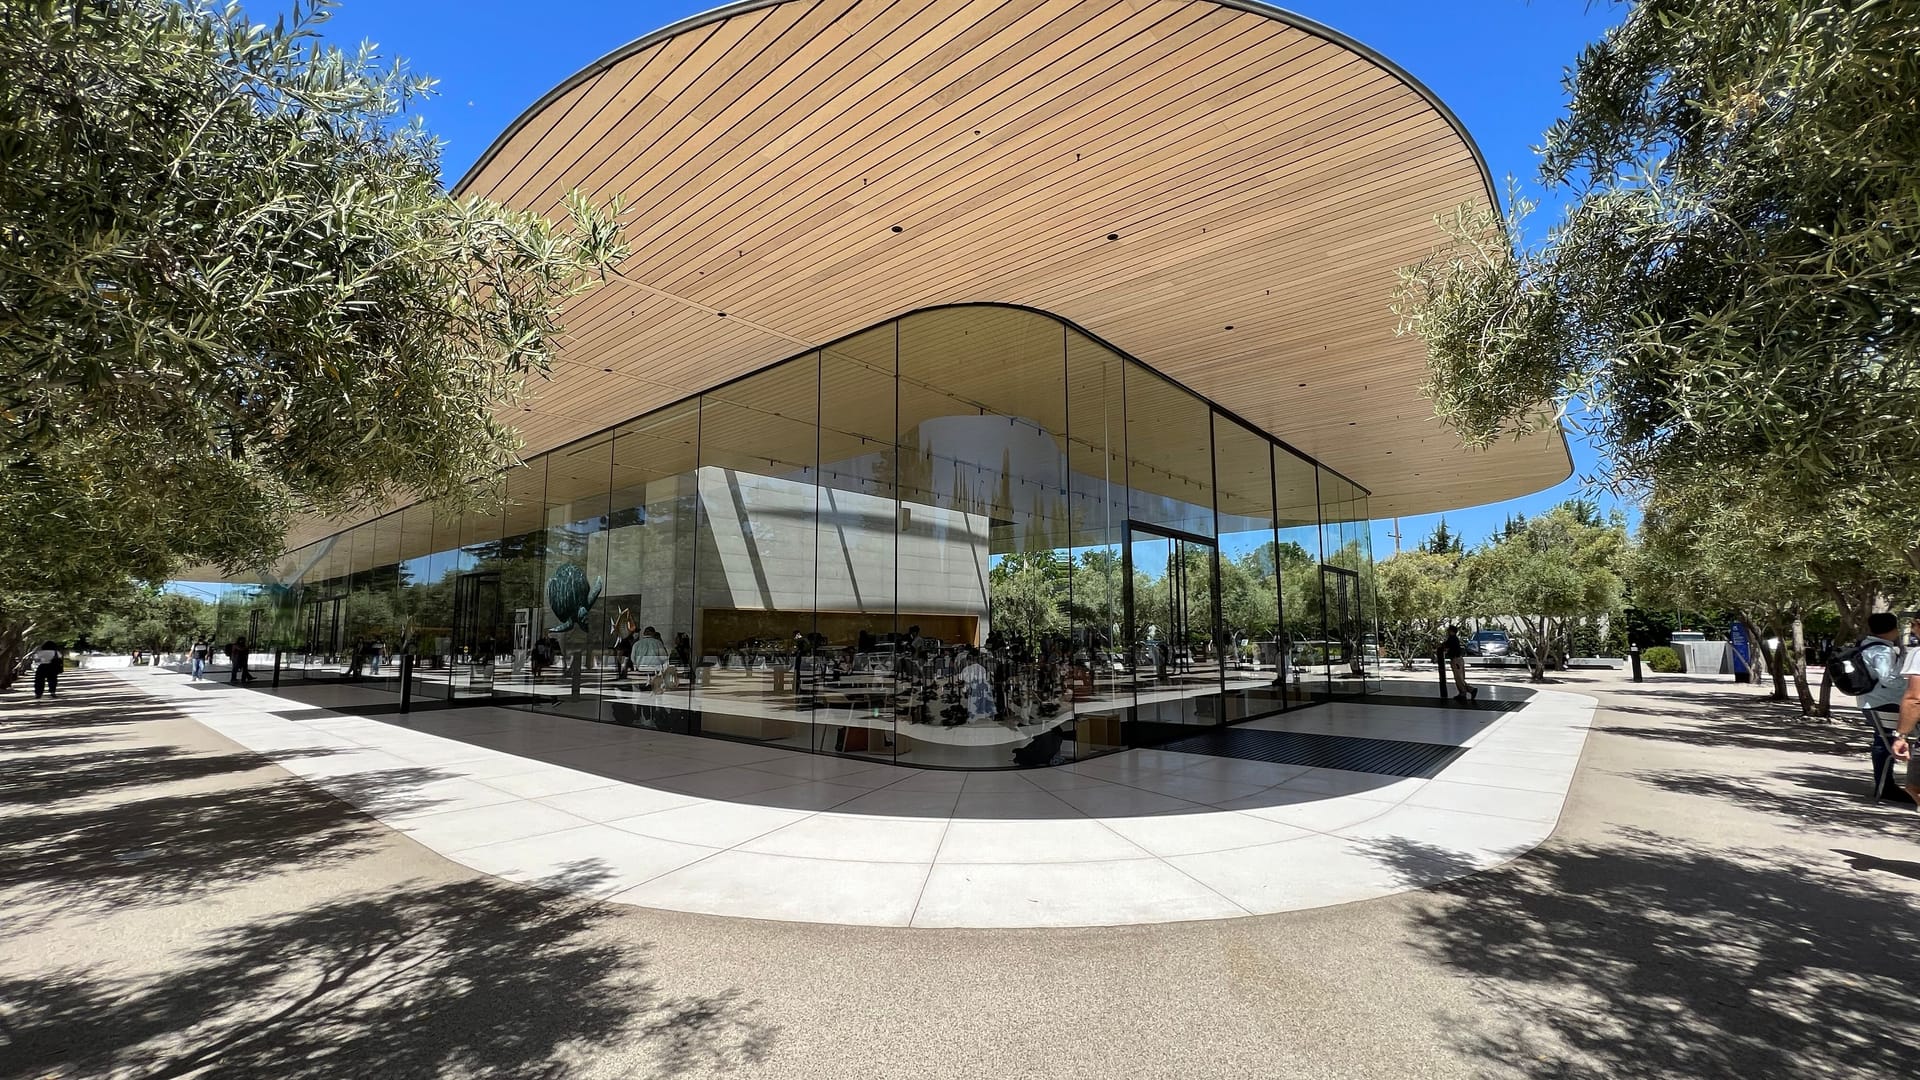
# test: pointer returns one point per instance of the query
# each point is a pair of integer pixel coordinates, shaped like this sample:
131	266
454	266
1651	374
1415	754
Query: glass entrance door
478	637
1340	601
323	645
1172	629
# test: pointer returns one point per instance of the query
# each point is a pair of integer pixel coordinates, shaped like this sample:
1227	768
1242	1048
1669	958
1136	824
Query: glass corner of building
973	537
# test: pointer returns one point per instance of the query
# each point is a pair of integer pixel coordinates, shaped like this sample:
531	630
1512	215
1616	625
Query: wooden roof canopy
1221	189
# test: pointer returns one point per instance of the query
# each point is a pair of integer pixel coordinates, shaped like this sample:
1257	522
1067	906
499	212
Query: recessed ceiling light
897	228
722	314
1229	326
1113	236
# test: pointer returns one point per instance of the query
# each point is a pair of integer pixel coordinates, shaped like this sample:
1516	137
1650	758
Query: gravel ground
1718	900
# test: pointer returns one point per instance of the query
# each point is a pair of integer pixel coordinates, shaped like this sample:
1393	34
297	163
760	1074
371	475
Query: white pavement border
724	828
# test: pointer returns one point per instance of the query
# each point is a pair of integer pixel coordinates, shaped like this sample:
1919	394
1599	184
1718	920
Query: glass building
988	386
962	533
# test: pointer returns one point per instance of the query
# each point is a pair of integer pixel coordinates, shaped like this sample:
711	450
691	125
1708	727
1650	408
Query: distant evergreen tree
1444	541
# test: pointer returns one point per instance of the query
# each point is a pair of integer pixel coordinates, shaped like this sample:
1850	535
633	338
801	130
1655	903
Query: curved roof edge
714	15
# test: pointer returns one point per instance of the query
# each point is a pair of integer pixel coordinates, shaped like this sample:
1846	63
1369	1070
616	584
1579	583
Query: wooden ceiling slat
815	225
596	136
820	160
1260	173
730	177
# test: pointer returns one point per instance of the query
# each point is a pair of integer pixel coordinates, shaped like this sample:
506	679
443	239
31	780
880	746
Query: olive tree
233	288
1539	581
1419	592
1729	298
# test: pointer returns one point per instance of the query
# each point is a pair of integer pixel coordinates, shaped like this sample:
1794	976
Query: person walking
623	649
1454	653
544	653
1903	733
242	653
47	662
199	654
1872	670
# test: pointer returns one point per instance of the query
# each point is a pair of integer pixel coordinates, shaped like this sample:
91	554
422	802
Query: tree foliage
233	289
1419	593
1729	302
1542	581
1735	280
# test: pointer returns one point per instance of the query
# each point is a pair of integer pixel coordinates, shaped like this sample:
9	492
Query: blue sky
1497	63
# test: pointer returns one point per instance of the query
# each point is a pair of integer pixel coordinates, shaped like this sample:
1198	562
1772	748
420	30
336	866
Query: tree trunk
1537	660
12	635
1826	692
1777	663
1800	664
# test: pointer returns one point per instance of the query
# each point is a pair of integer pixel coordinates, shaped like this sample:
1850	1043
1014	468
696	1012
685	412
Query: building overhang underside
1221	190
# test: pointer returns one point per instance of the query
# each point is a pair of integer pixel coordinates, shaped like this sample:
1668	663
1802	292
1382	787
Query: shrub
1661	658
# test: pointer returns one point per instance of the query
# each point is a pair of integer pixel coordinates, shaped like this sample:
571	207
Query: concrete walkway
726	828
1717	900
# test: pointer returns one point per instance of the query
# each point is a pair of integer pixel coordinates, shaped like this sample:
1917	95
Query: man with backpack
1909	716
1871	672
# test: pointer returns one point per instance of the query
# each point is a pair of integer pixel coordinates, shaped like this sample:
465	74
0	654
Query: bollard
1633	654
276	669
406	681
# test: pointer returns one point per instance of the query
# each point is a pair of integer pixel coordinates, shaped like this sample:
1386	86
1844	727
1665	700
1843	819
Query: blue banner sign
1740	647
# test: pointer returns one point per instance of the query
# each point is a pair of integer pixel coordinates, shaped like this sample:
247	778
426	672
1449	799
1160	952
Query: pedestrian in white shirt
1877	655
1903	734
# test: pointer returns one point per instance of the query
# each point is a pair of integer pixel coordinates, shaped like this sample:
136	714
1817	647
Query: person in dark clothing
47	662
241	653
545	653
1454	653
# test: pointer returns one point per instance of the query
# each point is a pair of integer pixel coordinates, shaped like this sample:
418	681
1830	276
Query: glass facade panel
1098	677
983	553
413	609
1248	648
571	660
1344	544
1171	558
758	507
518	559
855	547
1302	631
973	537
651	554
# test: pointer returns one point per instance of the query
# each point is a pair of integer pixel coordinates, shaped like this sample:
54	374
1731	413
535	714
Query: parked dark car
1489	643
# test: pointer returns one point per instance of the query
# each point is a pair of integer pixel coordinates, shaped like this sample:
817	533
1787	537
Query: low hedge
1661	658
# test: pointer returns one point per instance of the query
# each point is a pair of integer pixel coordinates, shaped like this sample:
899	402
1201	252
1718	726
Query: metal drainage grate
1491	704
1389	757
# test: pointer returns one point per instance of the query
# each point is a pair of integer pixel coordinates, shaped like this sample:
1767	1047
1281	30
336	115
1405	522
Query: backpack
1848	667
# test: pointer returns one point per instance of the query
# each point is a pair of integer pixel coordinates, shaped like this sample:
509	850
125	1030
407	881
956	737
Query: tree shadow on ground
1657	958
472	978
70	719
169	847
1826	800
1416	863
1838	740
33	744
27	776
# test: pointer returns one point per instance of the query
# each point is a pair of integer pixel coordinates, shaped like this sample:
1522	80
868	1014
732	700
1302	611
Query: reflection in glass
973	537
